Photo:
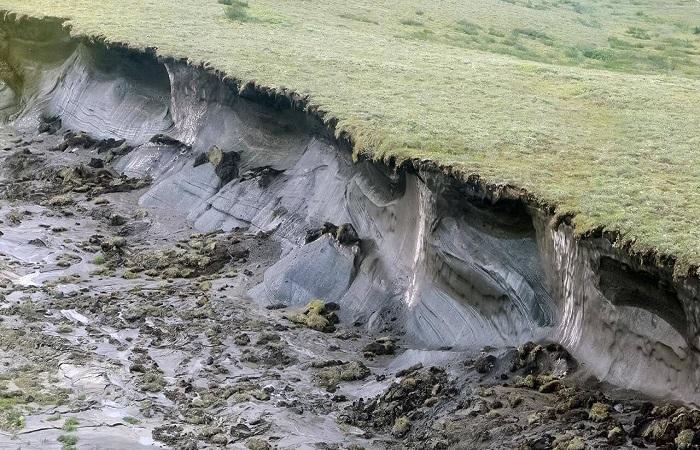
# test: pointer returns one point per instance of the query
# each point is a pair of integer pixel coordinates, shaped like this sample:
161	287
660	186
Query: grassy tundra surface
592	105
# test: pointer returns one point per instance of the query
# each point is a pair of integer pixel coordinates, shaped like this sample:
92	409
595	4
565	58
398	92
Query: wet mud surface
121	327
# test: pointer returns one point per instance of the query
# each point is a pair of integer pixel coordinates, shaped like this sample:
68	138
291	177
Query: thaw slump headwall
442	260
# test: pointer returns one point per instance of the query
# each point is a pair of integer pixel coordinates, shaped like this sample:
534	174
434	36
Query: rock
599	412
401	427
96	163
684	439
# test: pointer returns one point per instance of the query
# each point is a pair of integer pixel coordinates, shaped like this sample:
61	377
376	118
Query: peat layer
445	261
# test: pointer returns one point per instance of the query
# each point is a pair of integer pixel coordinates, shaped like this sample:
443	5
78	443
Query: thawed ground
121	327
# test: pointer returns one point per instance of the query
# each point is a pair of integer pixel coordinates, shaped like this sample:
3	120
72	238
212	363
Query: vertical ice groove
412	293
570	325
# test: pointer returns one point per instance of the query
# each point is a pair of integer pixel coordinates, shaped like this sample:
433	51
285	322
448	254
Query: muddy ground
121	327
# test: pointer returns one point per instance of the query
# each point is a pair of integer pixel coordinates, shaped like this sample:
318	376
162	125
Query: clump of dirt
381	346
24	168
402	403
94	182
345	234
533	359
666	425
50	124
329	374
265	175
164	139
318	315
201	254
19	162
82	140
72	139
225	163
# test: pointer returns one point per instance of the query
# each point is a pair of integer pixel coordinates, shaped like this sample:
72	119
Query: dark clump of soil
50	125
402	403
225	163
163	139
95	181
202	254
344	234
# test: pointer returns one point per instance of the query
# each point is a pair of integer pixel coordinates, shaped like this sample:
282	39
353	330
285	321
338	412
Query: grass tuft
468	27
358	18
411	22
71	424
638	33
237	10
68	441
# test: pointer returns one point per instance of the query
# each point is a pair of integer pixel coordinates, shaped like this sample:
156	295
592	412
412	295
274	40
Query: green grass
71	424
591	105
67	441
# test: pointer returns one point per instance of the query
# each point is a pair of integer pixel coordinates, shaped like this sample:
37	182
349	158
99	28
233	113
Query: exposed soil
121	327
